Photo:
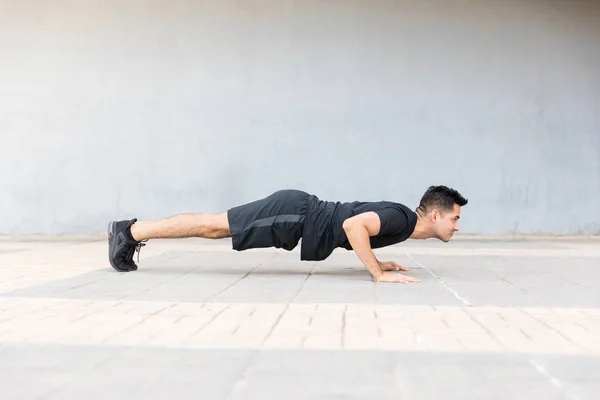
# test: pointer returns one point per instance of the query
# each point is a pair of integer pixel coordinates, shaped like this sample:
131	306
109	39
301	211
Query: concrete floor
491	319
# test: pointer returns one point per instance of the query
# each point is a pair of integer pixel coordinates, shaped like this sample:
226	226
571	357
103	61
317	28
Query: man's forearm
358	236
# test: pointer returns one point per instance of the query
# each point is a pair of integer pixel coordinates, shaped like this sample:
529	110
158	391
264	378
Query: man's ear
435	215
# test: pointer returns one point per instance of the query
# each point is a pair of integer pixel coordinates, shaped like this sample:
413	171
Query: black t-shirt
323	230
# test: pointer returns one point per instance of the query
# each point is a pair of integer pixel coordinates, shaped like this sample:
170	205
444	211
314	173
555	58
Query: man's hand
392	266
395	277
359	229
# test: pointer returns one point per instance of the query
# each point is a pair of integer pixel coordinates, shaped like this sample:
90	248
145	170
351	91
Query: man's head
440	209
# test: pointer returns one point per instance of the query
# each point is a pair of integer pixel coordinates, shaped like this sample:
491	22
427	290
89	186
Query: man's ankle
130	234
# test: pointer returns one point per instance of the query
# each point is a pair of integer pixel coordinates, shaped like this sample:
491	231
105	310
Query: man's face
447	223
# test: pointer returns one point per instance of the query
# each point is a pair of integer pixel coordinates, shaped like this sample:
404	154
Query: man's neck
421	231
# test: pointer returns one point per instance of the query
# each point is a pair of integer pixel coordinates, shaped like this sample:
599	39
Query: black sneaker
120	247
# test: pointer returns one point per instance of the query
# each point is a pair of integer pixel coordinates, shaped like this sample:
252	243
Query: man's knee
220	226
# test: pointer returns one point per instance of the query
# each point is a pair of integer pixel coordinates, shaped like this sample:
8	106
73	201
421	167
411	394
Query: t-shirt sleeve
393	221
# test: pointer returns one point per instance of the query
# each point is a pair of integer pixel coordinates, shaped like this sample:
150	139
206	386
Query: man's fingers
393	267
399	267
408	279
397	278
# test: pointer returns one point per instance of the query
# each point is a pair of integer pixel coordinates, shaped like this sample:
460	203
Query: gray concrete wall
113	109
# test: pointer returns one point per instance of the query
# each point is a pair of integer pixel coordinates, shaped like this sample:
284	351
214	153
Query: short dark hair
441	197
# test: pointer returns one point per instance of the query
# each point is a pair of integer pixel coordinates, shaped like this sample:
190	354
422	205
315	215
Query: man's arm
358	230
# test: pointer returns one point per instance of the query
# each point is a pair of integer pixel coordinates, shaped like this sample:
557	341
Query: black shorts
275	221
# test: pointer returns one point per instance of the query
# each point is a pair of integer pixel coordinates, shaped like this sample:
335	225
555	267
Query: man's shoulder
397	220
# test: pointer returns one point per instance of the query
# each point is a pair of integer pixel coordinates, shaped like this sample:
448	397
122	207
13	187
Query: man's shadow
329	270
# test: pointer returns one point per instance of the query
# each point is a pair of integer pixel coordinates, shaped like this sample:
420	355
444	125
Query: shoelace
138	248
135	249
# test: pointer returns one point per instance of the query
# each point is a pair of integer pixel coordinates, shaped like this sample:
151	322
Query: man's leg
125	237
212	226
275	221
